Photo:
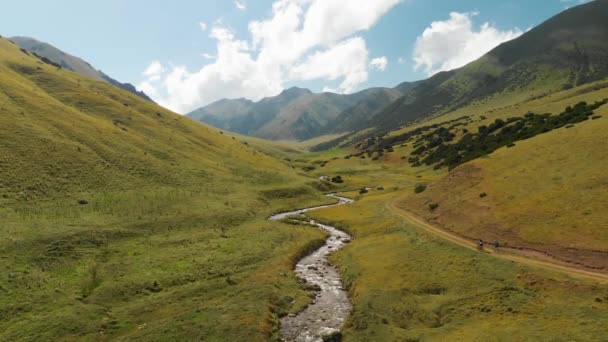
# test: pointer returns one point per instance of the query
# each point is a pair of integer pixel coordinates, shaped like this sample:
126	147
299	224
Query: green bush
419	188
337	179
433	206
363	191
483	194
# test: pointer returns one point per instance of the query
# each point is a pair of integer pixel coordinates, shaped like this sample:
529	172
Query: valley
468	206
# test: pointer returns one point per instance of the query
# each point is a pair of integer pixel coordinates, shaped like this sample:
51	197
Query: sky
188	53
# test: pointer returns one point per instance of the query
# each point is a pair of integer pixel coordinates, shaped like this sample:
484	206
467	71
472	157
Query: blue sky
124	38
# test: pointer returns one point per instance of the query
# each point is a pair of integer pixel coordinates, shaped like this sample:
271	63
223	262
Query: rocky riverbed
322	320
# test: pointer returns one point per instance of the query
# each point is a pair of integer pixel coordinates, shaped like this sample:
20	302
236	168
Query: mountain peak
296	91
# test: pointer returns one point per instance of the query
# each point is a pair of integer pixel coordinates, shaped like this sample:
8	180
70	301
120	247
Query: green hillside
518	194
122	220
566	51
362	115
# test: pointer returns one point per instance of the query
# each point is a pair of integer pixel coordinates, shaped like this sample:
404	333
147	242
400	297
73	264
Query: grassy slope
173	243
529	186
408	285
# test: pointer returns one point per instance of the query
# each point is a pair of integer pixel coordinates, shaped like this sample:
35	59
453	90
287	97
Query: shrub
155	287
83	202
363	191
419	188
337	179
433	206
483	194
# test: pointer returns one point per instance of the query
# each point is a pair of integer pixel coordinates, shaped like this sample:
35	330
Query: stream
323	318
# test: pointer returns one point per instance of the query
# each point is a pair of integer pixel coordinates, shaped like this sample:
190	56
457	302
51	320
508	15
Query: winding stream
324	317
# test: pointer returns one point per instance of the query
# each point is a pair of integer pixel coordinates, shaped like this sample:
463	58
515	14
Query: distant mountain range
72	63
566	51
298	114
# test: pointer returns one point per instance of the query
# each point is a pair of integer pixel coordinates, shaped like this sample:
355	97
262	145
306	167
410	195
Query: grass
172	242
407	285
527	188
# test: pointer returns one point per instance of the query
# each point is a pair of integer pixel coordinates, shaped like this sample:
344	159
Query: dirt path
331	306
523	256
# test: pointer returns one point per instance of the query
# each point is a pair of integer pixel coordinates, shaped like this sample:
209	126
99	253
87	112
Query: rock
313	287
313	268
330	335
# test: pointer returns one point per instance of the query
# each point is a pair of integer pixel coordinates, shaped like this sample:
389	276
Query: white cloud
301	40
208	56
401	60
332	20
154	71
203	26
379	63
240	4
347	60
453	43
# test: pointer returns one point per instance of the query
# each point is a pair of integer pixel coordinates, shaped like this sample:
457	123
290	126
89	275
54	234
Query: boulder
330	335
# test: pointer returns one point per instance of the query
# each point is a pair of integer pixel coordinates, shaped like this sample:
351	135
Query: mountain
72	63
363	114
294	114
221	113
566	51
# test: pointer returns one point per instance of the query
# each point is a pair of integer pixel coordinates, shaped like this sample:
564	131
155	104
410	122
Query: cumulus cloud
240	5
379	63
453	43
203	26
301	40
154	71
347	60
